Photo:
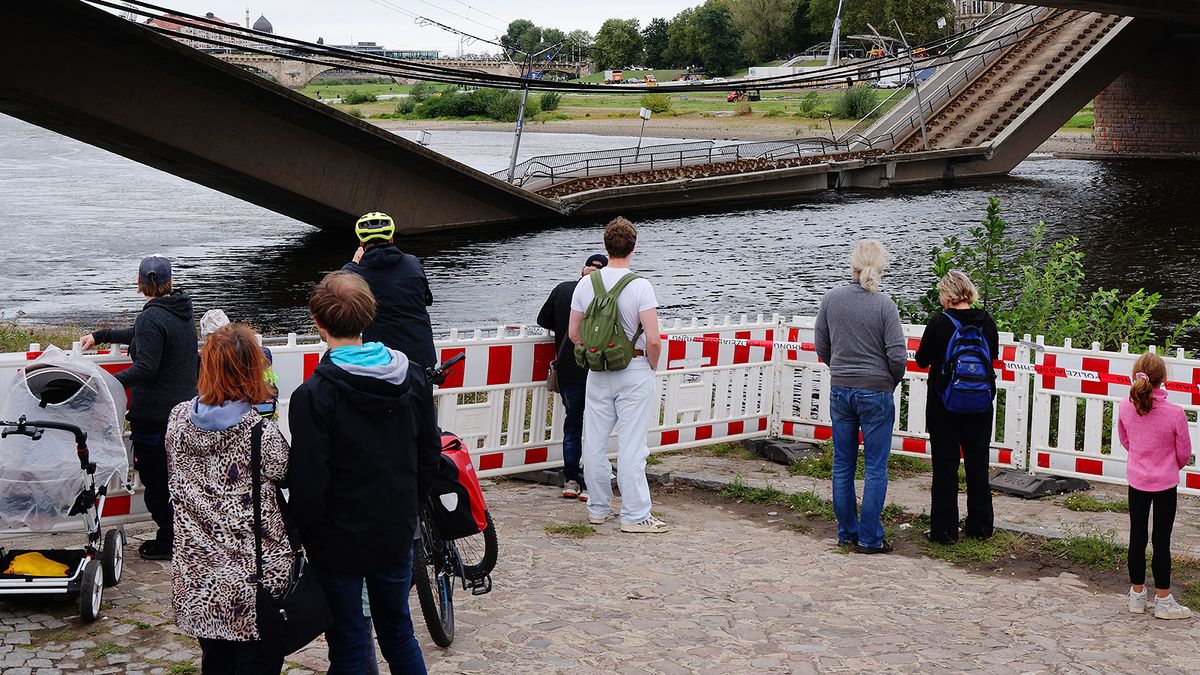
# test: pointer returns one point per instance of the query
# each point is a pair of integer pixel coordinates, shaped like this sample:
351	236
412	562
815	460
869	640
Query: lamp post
912	64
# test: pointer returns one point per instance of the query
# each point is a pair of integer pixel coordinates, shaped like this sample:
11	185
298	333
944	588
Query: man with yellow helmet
401	290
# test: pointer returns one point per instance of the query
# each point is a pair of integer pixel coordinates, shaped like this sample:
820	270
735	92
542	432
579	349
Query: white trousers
624	399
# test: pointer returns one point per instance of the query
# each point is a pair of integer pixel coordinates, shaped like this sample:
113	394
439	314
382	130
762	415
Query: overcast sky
340	21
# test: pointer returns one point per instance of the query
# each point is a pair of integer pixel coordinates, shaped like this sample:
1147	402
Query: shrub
856	103
549	101
355	112
356	98
808	104
742	109
656	103
406	106
421	91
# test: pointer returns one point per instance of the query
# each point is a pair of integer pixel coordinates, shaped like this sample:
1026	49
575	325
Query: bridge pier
1153	109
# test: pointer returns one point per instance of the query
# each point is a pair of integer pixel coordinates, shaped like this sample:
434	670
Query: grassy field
1084	119
340	90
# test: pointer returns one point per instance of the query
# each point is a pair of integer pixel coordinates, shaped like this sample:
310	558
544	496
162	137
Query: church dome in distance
263	26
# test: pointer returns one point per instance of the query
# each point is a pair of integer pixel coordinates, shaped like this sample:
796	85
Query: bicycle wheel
478	552
435	590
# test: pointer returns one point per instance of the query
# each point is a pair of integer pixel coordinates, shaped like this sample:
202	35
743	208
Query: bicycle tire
468	551
436	595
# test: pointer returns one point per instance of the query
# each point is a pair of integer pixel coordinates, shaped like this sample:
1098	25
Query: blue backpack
967	382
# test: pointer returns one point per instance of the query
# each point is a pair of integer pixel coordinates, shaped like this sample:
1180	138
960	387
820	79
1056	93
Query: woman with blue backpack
959	347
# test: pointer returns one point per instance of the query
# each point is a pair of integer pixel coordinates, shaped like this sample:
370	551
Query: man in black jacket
400	288
365	448
572	380
163	348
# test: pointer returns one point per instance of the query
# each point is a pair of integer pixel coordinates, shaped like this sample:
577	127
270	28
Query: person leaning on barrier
401	290
952	432
163	348
572	380
858	334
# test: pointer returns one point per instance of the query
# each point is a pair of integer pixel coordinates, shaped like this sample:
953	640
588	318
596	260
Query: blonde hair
1149	372
957	287
867	262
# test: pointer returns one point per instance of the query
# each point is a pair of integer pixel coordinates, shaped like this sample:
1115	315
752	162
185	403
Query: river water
76	220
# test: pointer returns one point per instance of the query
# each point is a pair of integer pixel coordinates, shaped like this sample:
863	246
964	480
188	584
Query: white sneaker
599	520
1137	601
570	489
1167	608
650	525
583	495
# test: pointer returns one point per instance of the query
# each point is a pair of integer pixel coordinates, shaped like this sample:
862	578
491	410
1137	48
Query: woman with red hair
209	441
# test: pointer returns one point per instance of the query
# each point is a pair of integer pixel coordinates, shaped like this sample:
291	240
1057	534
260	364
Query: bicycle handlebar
437	374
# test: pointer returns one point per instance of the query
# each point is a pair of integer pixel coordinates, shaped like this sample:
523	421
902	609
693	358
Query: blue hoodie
218	417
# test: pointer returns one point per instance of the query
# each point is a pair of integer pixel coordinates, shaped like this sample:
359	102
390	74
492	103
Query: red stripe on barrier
1196	381
454	378
670	437
543	354
1009	353
736	428
741	353
911	366
913	445
822	433
793	336
1047	378
789	428
1043	460
492	461
30	356
770	351
536	455
762	424
1098	366
114	368
1005	456
711	351
676	351
499	364
1092	466
704	433
117	506
310	364
1192	480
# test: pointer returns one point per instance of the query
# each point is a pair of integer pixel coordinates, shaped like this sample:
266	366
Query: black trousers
948	432
226	657
150	460
1140	504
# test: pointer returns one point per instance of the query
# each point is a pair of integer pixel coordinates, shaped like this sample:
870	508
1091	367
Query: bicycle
438	560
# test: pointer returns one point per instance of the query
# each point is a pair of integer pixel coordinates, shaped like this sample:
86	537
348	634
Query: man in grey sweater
858	335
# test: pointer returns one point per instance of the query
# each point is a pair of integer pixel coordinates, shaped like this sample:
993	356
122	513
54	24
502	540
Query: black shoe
867	550
979	537
944	541
152	550
847	542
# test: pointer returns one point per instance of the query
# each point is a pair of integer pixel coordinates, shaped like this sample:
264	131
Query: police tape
1001	365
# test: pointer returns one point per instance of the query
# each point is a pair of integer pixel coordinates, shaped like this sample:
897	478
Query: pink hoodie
1158	443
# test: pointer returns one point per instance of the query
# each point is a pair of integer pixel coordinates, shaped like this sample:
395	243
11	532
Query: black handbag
292	621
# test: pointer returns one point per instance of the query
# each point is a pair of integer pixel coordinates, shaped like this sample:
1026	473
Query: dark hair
1141	389
156	289
342	304
231	367
620	236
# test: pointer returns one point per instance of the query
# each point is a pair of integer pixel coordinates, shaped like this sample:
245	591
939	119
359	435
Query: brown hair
957	287
1149	372
231	367
342	304
155	290
620	236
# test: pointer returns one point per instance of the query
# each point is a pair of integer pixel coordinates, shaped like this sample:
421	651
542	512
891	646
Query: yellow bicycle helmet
375	226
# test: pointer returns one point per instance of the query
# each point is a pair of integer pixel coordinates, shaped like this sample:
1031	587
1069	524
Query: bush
497	104
855	104
742	109
808	104
549	101
421	91
406	106
355	112
356	98
656	103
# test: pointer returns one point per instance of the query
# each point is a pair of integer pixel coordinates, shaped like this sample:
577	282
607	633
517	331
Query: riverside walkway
729	590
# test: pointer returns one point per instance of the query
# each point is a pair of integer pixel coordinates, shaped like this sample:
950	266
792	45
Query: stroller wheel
113	559
90	591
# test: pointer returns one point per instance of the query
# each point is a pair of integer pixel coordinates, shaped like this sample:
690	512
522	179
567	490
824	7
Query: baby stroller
62	445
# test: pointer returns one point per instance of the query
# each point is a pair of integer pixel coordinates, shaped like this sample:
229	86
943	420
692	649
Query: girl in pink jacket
1155	433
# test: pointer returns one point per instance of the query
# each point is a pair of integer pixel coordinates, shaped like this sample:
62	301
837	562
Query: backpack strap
597	285
616	290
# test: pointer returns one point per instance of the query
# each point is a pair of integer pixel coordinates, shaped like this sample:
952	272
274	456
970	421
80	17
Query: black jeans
573	398
226	657
150	460
1164	504
948	432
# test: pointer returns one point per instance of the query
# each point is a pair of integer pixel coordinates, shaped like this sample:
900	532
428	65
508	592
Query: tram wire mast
835	42
526	74
912	64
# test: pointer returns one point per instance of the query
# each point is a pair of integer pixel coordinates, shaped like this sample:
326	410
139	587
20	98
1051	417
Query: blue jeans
875	413
573	397
349	636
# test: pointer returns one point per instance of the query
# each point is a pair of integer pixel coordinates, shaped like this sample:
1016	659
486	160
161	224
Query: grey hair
867	262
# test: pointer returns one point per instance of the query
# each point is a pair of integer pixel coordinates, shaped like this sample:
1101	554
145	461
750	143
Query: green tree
719	39
919	18
803	34
579	44
522	34
765	25
656	41
553	36
618	44
855	16
683	40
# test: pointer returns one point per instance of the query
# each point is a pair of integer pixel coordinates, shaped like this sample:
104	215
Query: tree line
722	36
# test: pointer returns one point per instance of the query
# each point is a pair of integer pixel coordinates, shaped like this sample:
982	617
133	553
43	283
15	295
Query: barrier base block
545	477
1029	486
780	451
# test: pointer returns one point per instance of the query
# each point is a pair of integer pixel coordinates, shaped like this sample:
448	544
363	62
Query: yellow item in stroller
37	565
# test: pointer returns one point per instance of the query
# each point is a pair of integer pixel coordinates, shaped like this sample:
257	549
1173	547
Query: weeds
183	668
1089	504
573	530
730	450
653	460
740	492
1092	550
812	505
893	513
821	466
984	552
107	648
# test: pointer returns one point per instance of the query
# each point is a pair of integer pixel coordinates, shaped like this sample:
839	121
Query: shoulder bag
292	621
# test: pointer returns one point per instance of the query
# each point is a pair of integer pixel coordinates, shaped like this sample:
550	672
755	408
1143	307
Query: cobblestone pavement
721	593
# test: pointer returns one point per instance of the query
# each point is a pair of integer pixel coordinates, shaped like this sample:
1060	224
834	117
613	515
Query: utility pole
527	74
835	43
912	63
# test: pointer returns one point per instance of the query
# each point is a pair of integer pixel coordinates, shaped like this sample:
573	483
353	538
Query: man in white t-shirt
625	399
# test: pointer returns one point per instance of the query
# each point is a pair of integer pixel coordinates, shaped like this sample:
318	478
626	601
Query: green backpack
604	343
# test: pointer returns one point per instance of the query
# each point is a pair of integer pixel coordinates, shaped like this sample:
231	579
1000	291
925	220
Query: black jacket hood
177	303
365	391
382	257
972	316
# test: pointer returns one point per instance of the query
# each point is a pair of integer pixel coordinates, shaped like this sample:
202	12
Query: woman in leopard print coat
208	449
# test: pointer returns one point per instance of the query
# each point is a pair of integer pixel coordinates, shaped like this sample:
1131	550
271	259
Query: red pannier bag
458	506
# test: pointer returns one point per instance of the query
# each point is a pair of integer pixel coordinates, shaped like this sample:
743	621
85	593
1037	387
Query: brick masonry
1154	108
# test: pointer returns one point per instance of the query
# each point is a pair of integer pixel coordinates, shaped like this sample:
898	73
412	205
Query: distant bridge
297	74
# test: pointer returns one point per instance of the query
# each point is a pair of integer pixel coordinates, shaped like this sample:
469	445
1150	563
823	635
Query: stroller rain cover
40	480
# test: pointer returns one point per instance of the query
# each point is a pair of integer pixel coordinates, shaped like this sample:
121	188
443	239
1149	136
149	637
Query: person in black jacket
572	380
948	432
365	448
163	348
400	288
